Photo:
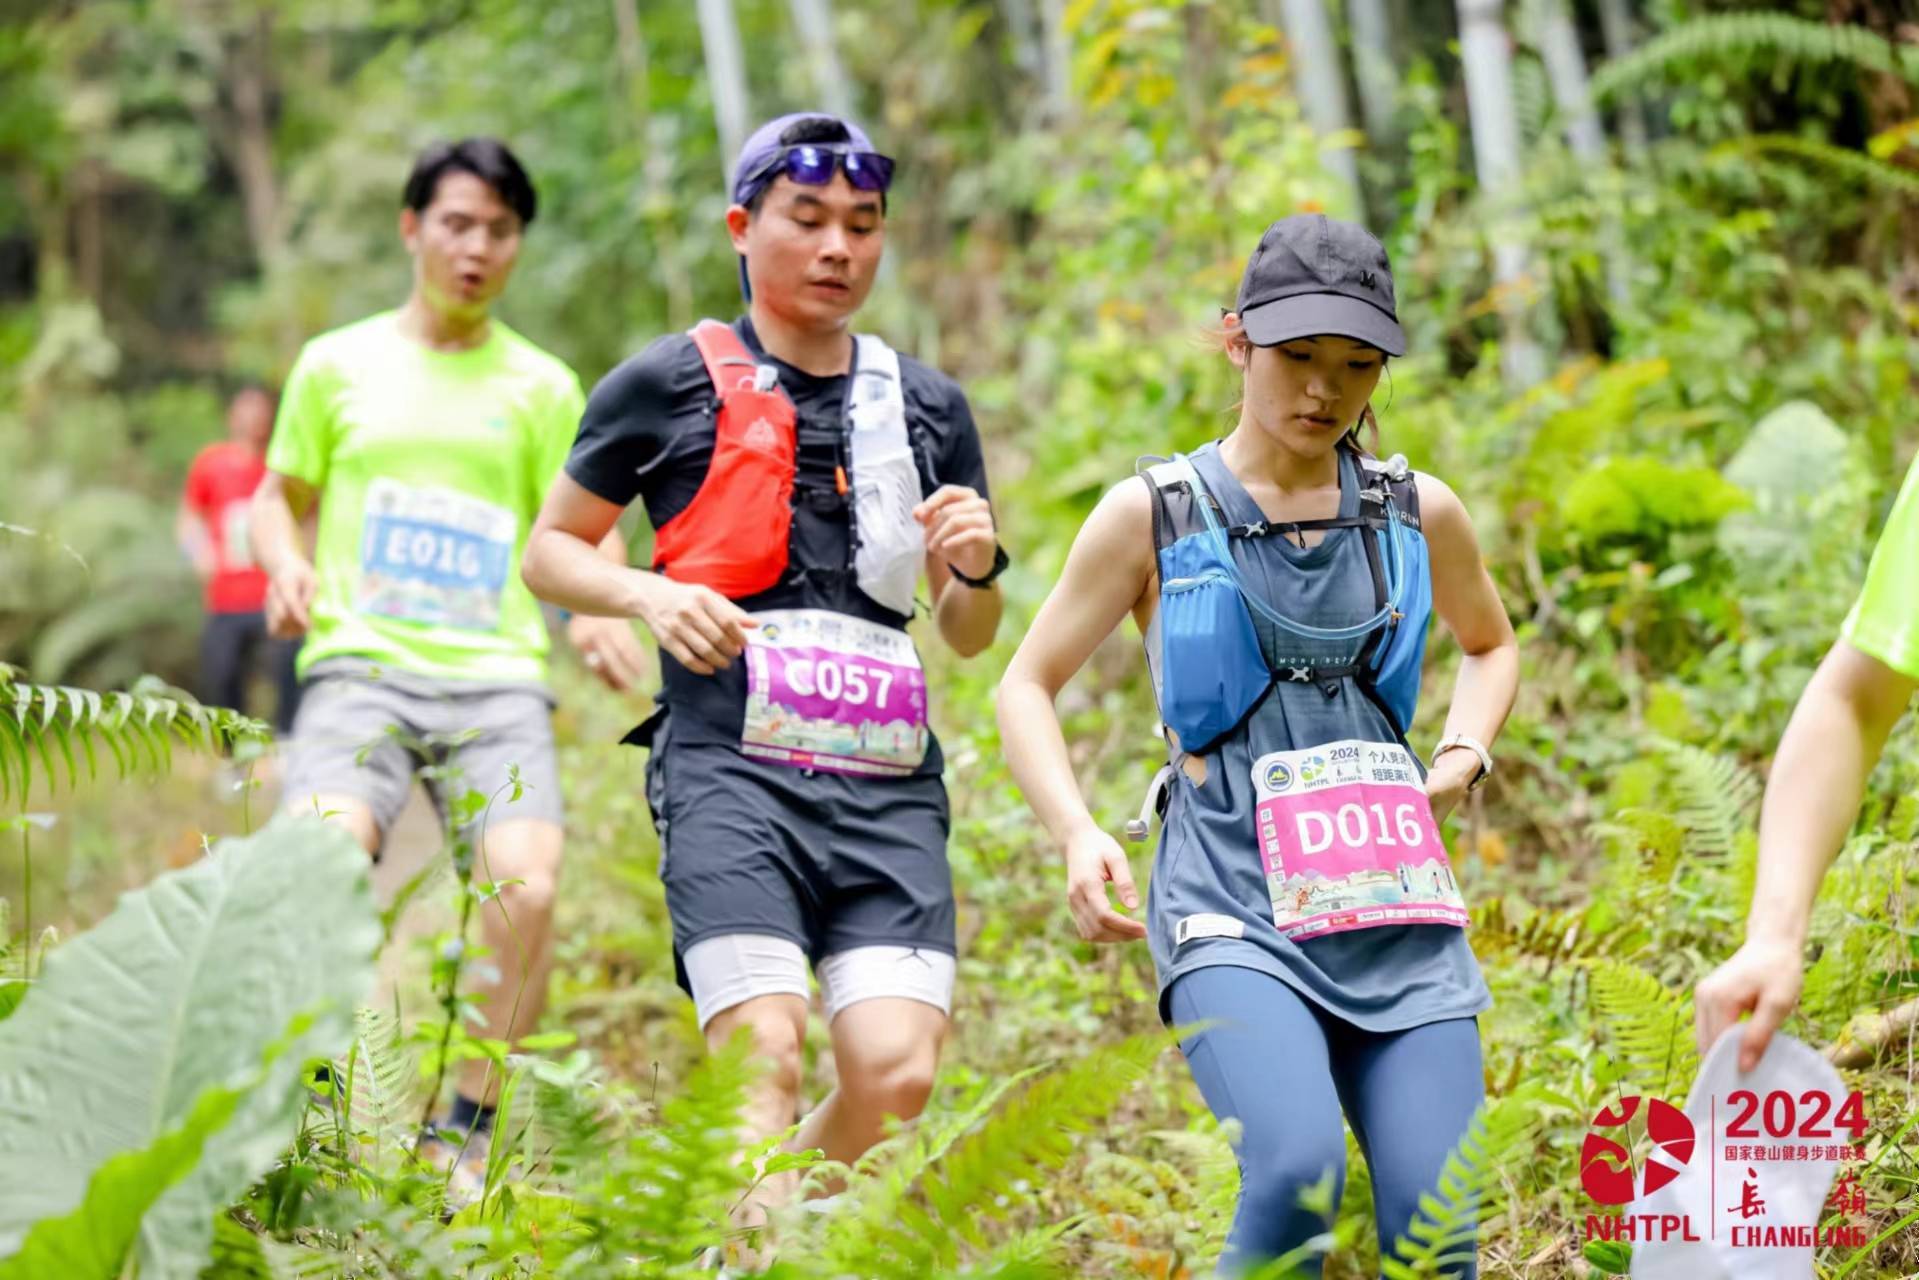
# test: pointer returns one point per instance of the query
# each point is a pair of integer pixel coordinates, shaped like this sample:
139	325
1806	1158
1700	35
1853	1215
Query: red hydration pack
733	536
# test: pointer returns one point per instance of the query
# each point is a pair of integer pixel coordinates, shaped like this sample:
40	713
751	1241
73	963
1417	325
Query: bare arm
280	504
190	535
1818	777
1107	574
607	645
564	563
1468	603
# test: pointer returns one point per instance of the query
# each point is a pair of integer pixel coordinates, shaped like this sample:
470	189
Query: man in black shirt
793	780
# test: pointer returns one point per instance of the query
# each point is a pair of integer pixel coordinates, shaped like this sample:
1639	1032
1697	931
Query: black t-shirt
648	433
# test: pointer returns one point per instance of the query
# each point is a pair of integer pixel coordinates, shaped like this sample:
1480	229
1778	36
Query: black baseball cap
1311	275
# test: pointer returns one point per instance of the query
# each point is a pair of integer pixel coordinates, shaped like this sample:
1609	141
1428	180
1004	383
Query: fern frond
1650	1028
1027	1136
569	1133
36	720
1442	1235
380	1072
1869	171
1651	843
1029	1253
1748	37
237	1254
666	1194
1541	934
1714	799
1170	1196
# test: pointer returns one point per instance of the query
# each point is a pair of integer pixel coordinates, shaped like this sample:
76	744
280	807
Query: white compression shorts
736	967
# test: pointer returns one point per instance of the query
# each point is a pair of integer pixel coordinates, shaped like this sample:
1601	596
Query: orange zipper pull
839	478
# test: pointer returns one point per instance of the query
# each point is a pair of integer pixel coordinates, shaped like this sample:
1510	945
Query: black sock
469	1116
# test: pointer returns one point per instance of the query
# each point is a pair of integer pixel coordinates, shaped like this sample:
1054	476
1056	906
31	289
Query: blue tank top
1209	902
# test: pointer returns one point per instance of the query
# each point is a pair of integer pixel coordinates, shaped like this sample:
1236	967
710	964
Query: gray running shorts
368	733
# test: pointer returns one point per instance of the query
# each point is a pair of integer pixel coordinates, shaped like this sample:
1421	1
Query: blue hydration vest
1209	673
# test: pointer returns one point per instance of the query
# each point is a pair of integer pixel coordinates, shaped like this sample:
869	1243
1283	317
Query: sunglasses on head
813	166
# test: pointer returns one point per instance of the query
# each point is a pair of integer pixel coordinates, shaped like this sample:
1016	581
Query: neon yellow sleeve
554	434
1884	621
304	433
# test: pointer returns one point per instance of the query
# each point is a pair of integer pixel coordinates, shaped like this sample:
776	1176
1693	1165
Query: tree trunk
1585	135
1566	69
1022	25
1615	24
1056	60
250	138
1486	51
656	164
814	21
725	78
1378	83
629	42
1321	80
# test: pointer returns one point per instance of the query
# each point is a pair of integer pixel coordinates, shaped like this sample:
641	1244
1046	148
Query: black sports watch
1000	561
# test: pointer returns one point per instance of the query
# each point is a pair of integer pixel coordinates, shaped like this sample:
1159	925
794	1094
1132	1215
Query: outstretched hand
290	592
1093	859
610	650
1763	978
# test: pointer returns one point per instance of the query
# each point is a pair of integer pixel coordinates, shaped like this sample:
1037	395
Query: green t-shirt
1884	621
432	466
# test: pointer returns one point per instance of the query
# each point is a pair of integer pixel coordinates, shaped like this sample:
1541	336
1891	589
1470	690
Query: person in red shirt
212	530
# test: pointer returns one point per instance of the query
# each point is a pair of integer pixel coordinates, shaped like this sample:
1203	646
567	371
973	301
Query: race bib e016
836	693
1347	841
434	556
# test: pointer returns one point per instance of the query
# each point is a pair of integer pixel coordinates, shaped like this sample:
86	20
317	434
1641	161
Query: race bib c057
434	556
1347	841
836	693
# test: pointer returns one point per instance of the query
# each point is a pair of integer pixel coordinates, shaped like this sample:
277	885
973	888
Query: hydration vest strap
725	356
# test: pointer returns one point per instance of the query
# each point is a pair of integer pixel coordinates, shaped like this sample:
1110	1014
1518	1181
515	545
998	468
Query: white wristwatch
1473	745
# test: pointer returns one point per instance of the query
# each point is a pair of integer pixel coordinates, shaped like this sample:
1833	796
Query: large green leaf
182	991
93	1239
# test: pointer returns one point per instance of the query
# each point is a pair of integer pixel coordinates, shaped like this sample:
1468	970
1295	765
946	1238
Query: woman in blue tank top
1301	901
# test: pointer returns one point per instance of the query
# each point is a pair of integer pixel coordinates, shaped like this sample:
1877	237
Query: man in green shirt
1818	778
428	436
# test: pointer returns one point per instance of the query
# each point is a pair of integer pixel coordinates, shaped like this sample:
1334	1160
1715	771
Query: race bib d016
434	556
1347	841
836	693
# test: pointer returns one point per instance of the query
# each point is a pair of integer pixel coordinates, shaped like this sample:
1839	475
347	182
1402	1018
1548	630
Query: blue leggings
1284	1069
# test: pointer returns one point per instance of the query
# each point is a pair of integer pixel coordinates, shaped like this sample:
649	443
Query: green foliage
1061	255
1649	1028
1646	500
1856	167
44	724
1716	799
176	998
668	1197
924	1200
1752	40
1809	488
1443	1234
91	1242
